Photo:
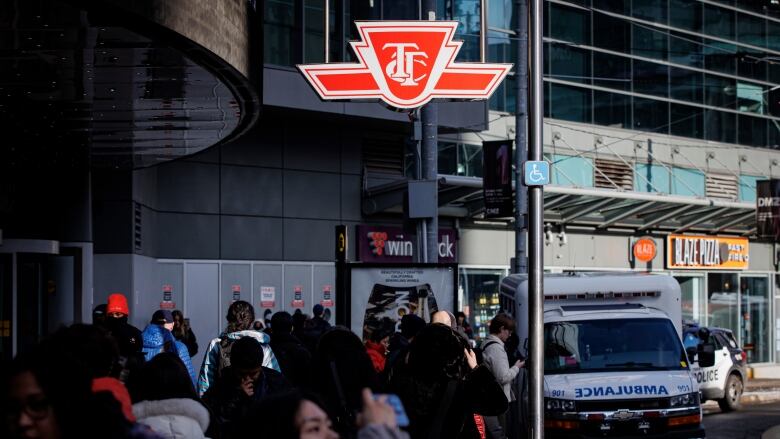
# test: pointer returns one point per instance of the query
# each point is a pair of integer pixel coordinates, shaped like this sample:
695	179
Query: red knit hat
117	302
118	391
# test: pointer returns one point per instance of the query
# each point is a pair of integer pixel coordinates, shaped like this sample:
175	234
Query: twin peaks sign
405	64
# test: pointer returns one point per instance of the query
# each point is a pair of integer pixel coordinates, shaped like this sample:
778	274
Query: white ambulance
614	362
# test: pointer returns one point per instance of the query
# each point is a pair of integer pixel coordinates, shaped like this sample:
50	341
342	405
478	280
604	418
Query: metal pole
536	229
483	29
430	127
521	147
326	30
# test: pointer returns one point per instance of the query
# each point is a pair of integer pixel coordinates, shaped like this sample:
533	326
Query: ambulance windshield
612	346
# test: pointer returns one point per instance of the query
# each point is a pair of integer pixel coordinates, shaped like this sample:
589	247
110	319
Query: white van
614	362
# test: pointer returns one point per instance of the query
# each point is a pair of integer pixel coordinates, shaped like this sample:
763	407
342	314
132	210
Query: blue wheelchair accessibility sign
537	173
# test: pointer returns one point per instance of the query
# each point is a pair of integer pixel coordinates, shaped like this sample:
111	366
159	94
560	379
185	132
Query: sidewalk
761	391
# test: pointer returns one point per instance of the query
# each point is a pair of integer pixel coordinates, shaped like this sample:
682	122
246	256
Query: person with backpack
157	338
494	356
240	317
242	384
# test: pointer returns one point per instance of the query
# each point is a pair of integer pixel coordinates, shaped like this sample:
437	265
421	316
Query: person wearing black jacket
293	357
241	384
183	332
442	387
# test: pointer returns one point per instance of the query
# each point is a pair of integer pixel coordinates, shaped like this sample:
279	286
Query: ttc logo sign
405	64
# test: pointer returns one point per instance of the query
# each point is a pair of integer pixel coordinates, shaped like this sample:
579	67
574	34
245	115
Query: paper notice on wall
267	297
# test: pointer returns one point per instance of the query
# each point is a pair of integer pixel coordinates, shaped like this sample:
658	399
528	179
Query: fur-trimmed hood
173	418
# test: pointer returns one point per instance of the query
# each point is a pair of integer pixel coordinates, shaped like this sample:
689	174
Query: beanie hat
411	324
246	353
117	302
162	316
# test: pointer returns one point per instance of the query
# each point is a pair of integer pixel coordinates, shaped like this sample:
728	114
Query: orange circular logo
644	250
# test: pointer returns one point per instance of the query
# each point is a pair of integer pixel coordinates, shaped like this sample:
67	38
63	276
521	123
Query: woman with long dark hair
183	332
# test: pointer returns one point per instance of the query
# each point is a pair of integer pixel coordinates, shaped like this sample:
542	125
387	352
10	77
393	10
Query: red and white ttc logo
405	64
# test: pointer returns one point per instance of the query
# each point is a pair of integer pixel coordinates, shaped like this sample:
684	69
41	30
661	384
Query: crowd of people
289	376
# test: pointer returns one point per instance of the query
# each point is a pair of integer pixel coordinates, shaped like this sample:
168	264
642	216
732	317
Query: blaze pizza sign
405	64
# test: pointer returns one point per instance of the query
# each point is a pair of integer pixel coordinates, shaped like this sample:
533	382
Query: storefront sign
768	209
405	64
497	180
706	252
390	244
644	250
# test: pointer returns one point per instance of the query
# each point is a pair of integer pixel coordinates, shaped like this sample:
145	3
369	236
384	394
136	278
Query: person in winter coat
494	356
240	317
341	369
157	338
441	375
411	324
165	399
292	355
296	415
241	384
376	348
183	332
127	336
315	327
48	395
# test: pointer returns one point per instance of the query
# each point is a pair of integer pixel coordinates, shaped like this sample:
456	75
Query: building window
479	297
693	303
720	126
651	78
614	33
612	109
570	63
755	334
651	178
611	71
752	131
571	24
688	182
650	10
686	50
747	187
751	30
650	43
687	121
314	35
572	171
722	299
570	103
279	32
686	14
467	13
719	22
651	115
720	57
686	85
720	92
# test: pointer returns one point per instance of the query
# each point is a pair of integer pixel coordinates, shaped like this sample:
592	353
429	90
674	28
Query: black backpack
480	351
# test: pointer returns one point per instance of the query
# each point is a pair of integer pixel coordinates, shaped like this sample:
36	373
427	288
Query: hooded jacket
208	370
155	339
178	418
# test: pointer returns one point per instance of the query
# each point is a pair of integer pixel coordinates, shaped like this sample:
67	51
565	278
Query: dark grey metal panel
324	289
192	236
312	149
298	276
234	275
210	155
311	195
351	153
188	187
148	233
469	116
145	186
255	238
113	226
309	240
112	274
251	191
268	276
351	191
260	147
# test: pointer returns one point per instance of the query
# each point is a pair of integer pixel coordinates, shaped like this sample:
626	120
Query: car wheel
733	394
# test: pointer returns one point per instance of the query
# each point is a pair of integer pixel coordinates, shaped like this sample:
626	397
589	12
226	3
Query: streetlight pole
430	162
536	220
521	147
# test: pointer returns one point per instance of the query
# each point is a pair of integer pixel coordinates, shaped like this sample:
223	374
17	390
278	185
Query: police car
725	380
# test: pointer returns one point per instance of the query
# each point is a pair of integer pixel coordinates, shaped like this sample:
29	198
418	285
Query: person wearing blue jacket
157	338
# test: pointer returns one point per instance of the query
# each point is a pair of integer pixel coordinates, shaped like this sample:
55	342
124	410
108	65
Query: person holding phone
442	387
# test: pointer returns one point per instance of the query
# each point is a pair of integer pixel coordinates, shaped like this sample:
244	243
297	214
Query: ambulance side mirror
706	354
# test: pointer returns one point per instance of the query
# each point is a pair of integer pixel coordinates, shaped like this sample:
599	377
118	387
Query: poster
267	297
497	180
768	209
382	295
167	302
